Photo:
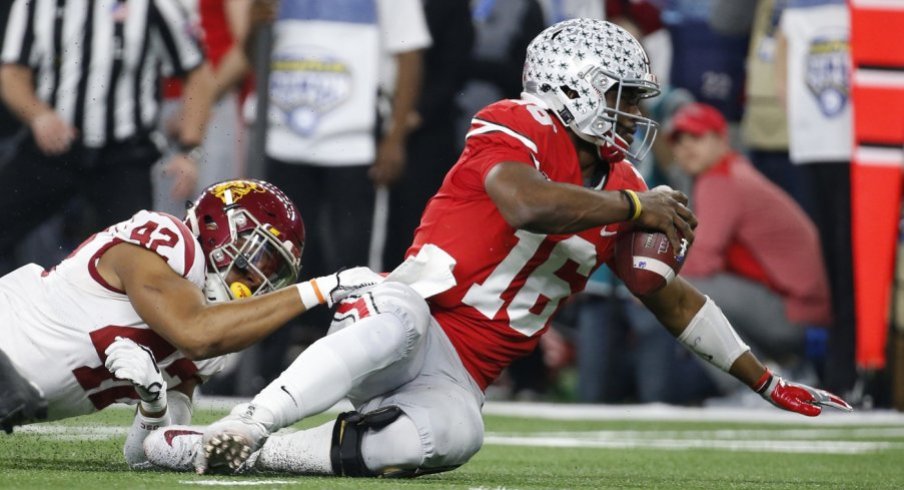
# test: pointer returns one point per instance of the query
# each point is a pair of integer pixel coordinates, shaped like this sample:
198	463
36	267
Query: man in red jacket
756	253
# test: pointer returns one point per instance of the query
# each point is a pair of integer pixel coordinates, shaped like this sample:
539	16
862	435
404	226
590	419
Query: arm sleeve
18	41
176	29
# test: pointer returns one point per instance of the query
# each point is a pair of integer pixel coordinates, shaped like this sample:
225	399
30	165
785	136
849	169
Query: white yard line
773	446
237	483
651	412
62	432
657	412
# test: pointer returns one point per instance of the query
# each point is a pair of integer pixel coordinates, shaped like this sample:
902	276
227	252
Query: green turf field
530	453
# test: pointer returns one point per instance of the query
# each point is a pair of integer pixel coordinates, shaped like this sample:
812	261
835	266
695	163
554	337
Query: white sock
325	372
304	452
142	427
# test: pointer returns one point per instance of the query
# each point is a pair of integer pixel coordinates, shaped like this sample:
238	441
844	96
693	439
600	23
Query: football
645	261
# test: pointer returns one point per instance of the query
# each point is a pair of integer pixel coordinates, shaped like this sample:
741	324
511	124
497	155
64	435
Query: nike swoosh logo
172	434
283	387
605	232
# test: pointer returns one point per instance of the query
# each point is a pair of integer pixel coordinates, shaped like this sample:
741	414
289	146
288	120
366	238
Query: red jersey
510	282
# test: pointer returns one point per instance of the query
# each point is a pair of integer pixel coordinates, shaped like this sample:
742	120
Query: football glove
136	363
796	397
335	287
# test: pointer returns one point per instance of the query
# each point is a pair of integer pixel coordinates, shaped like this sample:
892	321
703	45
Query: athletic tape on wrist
310	294
710	336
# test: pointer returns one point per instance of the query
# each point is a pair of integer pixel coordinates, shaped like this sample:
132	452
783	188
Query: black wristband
631	208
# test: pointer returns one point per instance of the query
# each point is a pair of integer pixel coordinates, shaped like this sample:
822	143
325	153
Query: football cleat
229	443
174	447
21	401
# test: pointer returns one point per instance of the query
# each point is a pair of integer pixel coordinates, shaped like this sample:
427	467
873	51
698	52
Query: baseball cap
697	119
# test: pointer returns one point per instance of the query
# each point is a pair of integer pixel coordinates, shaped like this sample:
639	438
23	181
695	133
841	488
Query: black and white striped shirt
99	62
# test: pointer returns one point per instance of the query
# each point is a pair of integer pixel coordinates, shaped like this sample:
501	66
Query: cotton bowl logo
827	72
306	84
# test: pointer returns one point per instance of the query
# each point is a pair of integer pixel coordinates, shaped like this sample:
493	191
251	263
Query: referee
83	76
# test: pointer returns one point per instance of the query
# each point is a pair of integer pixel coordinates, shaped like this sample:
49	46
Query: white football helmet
572	64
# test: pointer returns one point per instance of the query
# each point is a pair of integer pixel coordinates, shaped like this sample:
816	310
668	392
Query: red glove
796	397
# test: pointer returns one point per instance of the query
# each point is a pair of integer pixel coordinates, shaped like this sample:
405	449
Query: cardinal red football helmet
252	236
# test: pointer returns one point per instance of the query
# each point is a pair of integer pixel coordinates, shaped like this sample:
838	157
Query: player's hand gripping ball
646	261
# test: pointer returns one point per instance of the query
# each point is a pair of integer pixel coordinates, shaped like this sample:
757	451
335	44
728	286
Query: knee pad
400	300
345	449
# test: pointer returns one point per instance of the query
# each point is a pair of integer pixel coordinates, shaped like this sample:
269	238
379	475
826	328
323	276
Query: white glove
136	363
334	288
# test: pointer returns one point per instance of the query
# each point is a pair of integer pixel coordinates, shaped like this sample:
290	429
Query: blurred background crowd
357	108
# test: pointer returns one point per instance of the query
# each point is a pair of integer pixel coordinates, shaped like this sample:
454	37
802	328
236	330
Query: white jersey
323	93
55	325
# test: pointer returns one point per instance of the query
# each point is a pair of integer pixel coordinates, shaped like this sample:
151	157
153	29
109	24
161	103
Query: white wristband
711	337
310	294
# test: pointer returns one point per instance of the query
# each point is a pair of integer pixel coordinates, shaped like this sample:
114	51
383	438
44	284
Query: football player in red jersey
141	307
530	209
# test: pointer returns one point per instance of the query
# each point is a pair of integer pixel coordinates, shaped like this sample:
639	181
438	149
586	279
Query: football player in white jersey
532	207
139	312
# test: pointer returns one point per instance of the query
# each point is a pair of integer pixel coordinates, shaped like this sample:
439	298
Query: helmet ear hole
570	92
210	223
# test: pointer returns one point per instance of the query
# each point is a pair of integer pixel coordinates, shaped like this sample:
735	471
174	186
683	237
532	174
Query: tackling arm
176	309
529	201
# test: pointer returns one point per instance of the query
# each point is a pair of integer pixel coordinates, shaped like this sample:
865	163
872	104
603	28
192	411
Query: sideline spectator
756	253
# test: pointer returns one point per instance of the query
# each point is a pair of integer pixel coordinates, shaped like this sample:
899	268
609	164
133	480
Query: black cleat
20	401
